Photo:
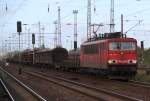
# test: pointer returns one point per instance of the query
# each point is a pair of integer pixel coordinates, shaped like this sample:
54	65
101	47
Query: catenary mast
112	24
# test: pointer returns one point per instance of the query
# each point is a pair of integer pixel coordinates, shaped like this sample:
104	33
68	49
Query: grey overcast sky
32	11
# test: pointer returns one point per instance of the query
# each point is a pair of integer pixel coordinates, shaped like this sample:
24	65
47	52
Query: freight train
111	54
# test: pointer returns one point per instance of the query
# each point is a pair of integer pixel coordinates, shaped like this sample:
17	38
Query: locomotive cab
122	57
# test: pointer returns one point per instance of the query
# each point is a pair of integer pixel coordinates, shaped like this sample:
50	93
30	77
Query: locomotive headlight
111	61
134	61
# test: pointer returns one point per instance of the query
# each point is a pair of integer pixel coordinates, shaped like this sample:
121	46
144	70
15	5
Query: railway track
4	93
20	90
139	84
96	93
135	84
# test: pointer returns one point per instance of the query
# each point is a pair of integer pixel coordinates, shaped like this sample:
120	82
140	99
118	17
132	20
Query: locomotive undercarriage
122	71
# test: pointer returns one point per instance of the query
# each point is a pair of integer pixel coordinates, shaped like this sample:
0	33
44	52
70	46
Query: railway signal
33	42
142	52
19	29
33	38
142	45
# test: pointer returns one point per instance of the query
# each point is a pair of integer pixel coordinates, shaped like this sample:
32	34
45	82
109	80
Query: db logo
121	53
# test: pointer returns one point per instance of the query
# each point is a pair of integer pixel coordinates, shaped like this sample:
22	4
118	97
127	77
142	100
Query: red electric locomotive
113	54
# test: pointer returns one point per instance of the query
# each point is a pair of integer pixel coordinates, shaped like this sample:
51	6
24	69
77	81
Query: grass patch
142	76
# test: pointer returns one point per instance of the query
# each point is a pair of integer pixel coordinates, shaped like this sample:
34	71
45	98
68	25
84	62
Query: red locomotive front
122	56
122	51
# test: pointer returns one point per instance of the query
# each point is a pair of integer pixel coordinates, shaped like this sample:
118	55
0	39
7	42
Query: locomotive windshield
122	46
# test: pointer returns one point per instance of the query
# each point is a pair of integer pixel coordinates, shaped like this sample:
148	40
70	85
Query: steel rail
110	93
58	83
24	86
140	84
7	91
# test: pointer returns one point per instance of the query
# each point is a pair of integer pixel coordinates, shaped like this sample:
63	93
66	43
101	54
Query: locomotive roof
122	39
106	40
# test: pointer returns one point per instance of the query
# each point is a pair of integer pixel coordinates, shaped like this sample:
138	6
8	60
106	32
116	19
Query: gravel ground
49	91
57	93
119	87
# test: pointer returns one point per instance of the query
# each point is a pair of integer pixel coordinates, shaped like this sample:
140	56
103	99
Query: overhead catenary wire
10	15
